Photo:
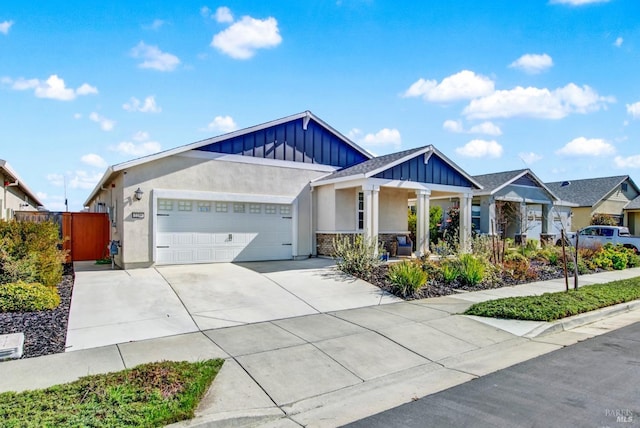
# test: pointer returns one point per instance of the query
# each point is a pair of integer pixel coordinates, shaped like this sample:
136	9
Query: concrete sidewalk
331	368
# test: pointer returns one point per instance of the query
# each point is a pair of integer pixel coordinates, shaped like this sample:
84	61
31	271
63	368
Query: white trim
4	166
294	230
199	154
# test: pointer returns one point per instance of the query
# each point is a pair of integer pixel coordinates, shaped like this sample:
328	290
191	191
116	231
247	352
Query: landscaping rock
45	332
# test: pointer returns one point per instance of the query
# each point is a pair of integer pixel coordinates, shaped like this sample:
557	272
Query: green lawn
149	395
554	306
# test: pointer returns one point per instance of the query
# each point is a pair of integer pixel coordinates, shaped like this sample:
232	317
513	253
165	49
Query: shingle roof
490	182
586	192
372	164
633	205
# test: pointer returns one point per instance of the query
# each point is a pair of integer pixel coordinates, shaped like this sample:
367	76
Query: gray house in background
520	202
516	203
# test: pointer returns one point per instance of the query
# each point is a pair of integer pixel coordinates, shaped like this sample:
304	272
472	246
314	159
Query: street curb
582	319
233	419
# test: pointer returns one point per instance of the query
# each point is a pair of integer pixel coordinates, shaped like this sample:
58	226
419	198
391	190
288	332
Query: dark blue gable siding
290	142
436	171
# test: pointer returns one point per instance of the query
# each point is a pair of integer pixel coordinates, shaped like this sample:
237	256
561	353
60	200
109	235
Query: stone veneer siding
324	242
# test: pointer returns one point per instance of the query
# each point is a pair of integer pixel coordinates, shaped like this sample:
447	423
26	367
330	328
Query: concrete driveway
116	306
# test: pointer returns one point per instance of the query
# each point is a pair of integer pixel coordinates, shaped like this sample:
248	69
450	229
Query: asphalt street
595	383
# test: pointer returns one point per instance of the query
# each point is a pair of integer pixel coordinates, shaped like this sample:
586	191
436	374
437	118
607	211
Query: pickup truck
591	236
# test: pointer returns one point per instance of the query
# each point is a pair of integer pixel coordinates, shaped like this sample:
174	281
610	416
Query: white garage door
190	231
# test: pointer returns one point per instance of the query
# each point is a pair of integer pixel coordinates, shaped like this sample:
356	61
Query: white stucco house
276	191
16	195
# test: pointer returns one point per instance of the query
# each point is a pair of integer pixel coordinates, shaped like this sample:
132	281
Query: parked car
591	236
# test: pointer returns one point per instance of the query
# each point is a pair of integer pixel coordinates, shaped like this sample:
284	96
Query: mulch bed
436	288
45	332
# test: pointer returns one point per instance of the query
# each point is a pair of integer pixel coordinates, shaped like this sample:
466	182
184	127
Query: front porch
372	199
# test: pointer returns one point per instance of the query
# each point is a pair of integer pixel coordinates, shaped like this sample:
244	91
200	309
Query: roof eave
6	168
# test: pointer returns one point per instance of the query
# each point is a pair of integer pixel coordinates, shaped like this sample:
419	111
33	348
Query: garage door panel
212	236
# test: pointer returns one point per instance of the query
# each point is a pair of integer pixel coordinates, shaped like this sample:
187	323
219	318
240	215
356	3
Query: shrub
355	255
471	269
516	265
615	257
29	252
450	270
604	220
406	277
23	297
551	255
442	248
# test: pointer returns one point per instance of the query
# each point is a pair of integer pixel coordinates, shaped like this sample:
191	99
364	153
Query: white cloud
453	126
582	146
155	25
383	137
223	15
577	2
222	124
75	179
535	102
5	26
481	149
77	116
154	58
533	63
463	85
93	159
143	146
86	89
618	42
529	157
634	110
52	88
205	11
487	128
147	106
105	124
628	162
243	38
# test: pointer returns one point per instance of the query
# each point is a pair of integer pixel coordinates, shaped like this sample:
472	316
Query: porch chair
405	245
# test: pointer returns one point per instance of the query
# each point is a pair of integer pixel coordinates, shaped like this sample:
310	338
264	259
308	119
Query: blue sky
495	85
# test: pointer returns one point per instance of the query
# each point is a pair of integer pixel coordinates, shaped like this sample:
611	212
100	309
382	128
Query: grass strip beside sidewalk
554	306
149	395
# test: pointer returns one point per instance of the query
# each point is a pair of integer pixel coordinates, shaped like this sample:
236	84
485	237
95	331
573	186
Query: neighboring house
515	203
279	190
632	216
16	196
606	195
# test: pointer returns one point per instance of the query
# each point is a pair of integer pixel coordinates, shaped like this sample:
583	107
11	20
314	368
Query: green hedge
23	297
29	253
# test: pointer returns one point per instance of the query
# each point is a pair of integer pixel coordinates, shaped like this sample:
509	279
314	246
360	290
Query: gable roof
634	204
232	143
8	172
383	166
495	182
588	192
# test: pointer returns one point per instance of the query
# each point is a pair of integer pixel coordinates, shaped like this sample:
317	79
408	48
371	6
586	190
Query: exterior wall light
138	194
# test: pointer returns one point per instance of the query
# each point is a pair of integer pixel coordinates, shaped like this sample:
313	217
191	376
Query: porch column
371	208
465	222
492	229
422	222
547	234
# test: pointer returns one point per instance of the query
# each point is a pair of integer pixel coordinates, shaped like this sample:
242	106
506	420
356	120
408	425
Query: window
221	207
204	207
255	208
624	187
165	205
238	208
184	205
285	210
360	210
270	209
475	217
